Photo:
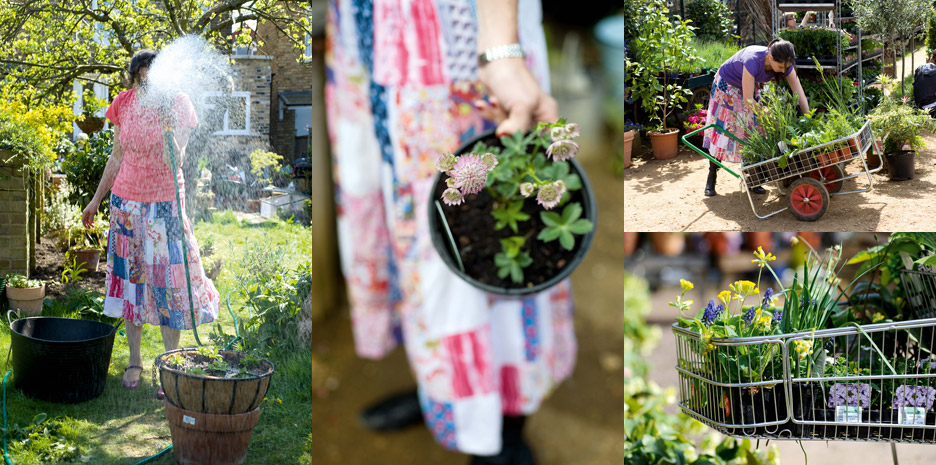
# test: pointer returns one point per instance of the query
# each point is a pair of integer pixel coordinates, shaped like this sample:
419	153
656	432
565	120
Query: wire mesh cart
873	382
811	175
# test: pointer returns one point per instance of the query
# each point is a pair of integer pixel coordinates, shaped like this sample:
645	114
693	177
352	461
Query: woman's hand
516	99
87	215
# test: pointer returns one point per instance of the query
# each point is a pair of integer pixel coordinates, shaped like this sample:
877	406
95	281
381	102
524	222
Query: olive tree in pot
899	124
891	18
661	46
487	220
212	402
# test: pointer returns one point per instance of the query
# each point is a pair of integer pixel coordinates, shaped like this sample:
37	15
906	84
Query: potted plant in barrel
514	215
212	401
661	46
899	125
23	294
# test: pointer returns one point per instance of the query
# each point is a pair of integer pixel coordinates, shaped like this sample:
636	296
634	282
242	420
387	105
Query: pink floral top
143	175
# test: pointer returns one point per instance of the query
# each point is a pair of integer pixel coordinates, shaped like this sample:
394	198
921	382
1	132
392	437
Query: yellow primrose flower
877	317
685	285
762	257
802	349
743	288
724	297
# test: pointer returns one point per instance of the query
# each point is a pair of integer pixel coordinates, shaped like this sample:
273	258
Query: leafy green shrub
85	167
711	55
46	440
25	141
898	123
59	214
711	18
931	34
815	41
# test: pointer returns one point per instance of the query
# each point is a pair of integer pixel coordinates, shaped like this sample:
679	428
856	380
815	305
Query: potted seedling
661	46
24	294
86	245
513	215
212	401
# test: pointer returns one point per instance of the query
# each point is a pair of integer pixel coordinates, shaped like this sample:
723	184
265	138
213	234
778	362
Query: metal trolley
811	176
875	382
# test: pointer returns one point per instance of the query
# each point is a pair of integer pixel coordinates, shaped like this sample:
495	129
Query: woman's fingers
491	110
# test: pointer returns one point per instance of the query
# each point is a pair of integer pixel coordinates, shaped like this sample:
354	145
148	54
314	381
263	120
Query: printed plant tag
188	419
912	416
847	414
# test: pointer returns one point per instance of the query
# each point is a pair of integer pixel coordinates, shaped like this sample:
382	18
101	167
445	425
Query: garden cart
810	176
872	383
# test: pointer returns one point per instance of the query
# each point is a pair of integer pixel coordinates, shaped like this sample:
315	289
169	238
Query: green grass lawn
124	426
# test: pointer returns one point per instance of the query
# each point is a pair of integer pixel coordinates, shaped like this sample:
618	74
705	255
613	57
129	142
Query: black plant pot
443	245
900	165
749	406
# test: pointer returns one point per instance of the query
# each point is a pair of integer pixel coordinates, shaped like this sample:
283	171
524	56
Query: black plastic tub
61	360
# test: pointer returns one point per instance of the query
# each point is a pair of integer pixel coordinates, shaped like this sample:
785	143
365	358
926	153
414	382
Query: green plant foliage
45	440
815	41
898	123
73	270
85	167
712	54
931	33
264	165
891	18
59	214
25	141
21	282
711	18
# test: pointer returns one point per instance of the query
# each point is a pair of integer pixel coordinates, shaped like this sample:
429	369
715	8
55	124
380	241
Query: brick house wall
17	221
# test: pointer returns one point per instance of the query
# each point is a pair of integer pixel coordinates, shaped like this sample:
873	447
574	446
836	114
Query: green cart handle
706	155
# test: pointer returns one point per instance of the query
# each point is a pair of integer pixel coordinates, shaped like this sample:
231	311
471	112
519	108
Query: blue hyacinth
712	312
749	315
768	296
777	316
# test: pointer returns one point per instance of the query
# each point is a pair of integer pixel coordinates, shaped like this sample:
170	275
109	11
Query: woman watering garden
146	274
734	94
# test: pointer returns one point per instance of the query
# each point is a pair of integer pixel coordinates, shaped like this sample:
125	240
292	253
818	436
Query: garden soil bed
471	223
50	263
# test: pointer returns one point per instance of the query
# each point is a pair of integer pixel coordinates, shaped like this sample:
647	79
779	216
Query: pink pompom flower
562	150
548	196
526	189
452	196
470	174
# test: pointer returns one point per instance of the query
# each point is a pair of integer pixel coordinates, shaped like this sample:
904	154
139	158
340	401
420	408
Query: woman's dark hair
141	59
782	51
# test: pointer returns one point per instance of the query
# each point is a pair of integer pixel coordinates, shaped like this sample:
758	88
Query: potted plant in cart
661	46
24	294
212	402
494	197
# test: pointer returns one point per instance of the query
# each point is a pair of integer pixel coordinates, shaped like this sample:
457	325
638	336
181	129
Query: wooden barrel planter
210	439
208	394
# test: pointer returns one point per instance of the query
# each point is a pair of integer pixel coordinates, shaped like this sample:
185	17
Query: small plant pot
827	158
629	243
900	165
210	394
88	258
253	205
669	244
749	406
665	145
27	300
210	439
627	143
762	239
853	147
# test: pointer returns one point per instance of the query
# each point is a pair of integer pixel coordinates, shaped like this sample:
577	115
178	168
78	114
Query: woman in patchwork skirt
733	94
146	280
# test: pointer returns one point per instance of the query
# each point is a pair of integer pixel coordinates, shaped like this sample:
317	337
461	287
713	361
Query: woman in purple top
734	93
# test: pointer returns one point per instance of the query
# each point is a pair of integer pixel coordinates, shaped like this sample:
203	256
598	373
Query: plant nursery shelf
800	6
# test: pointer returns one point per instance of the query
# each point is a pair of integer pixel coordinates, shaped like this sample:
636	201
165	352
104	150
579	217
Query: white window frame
225	129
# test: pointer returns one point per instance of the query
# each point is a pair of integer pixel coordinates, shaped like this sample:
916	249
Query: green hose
188	279
6	455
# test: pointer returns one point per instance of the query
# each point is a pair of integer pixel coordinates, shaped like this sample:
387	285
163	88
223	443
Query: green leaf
516	273
551	219
549	234
581	226
571	213
566	239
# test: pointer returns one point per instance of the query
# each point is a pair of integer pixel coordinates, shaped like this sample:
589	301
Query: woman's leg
134	337
170	337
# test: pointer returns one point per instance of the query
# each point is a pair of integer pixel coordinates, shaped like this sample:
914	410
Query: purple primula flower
470	173
914	396
749	315
446	162
712	312
768	296
452	196
849	394
526	189
548	196
561	150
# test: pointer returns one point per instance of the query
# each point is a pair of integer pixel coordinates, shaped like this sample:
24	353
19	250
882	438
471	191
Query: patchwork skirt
145	280
726	110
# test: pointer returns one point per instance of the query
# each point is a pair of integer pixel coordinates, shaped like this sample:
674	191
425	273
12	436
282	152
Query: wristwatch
499	52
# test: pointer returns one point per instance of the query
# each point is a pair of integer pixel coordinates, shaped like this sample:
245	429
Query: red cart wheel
808	199
827	176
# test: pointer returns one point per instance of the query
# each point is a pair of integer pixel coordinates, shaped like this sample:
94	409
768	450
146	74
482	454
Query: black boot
514	451
710	183
392	413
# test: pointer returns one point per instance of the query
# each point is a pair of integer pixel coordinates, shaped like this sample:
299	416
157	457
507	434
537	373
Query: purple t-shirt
751	58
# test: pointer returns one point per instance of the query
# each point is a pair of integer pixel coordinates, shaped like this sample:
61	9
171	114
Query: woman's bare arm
107	181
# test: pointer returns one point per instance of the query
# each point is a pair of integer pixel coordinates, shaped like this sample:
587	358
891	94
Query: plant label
188	419
912	416
847	414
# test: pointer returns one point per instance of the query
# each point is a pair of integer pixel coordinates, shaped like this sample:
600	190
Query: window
235	121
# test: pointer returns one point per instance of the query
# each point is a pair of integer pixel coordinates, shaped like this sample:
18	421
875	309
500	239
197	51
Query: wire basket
876	383
809	159
920	290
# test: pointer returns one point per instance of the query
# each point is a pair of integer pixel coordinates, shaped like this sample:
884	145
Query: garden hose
188	278
6	455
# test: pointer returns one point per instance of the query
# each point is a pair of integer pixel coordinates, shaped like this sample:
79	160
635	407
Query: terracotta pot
89	258
627	143
57	180
813	238
718	243
826	158
668	243
755	239
629	242
27	300
853	147
665	145
210	438
253	205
